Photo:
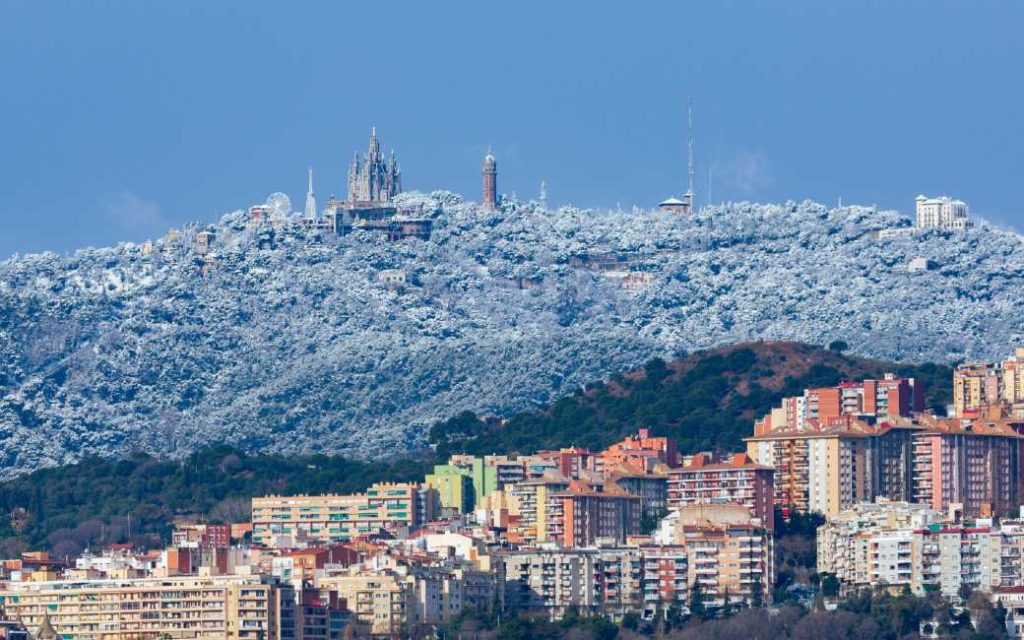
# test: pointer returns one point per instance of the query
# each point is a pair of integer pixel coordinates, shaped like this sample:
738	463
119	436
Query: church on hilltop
373	183
373	180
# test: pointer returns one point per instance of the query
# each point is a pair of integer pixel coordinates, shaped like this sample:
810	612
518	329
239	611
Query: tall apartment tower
490	182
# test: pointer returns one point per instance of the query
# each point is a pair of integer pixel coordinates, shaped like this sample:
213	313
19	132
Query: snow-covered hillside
293	342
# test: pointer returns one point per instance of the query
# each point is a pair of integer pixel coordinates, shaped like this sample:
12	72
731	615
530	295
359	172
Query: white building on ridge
942	213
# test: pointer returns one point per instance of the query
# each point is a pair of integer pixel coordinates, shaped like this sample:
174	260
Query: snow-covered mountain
293	341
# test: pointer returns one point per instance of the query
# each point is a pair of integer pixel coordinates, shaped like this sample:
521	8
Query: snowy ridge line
295	340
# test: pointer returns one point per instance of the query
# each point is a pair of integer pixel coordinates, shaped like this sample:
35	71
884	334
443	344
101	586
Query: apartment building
533	497
869	400
990	390
651	488
219	607
908	545
870	542
973	464
572	462
826	468
319	619
642	451
728	552
392	599
379	602
595	581
454	485
580	518
285	520
738	480
202	535
1012	599
490	473
665	579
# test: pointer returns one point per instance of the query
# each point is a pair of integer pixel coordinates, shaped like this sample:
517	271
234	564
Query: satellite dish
280	205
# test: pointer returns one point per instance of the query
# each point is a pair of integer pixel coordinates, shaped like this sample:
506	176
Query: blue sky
122	119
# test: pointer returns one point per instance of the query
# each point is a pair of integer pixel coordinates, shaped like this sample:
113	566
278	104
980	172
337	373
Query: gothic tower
490	183
373	180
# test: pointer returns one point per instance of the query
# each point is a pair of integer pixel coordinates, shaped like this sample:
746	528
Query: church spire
374	178
374	151
310	211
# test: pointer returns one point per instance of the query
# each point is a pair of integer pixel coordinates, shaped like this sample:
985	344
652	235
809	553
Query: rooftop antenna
543	195
709	187
689	145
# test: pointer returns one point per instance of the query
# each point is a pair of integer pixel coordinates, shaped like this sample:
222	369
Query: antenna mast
689	143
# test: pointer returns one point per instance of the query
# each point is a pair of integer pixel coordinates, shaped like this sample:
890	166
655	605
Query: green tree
757	594
631	621
829	585
696	605
838	346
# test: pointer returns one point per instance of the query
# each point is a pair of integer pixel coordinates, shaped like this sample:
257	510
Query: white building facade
942	213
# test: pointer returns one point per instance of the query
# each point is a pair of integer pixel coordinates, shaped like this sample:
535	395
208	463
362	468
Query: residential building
870	543
339	518
990	390
392	598
868	400
214	607
490	473
379	601
580	517
203	535
665	580
12	630
913	546
533	497
317	618
825	469
642	451
571	462
739	480
592	581
651	488
1012	599
973	464
728	552
454	485
303	565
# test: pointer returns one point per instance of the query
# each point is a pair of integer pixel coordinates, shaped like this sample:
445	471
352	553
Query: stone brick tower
490	186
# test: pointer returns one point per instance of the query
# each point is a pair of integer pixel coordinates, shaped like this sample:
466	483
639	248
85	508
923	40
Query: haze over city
120	121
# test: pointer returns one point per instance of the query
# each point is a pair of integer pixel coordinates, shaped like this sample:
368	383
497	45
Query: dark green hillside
708	400
96	501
